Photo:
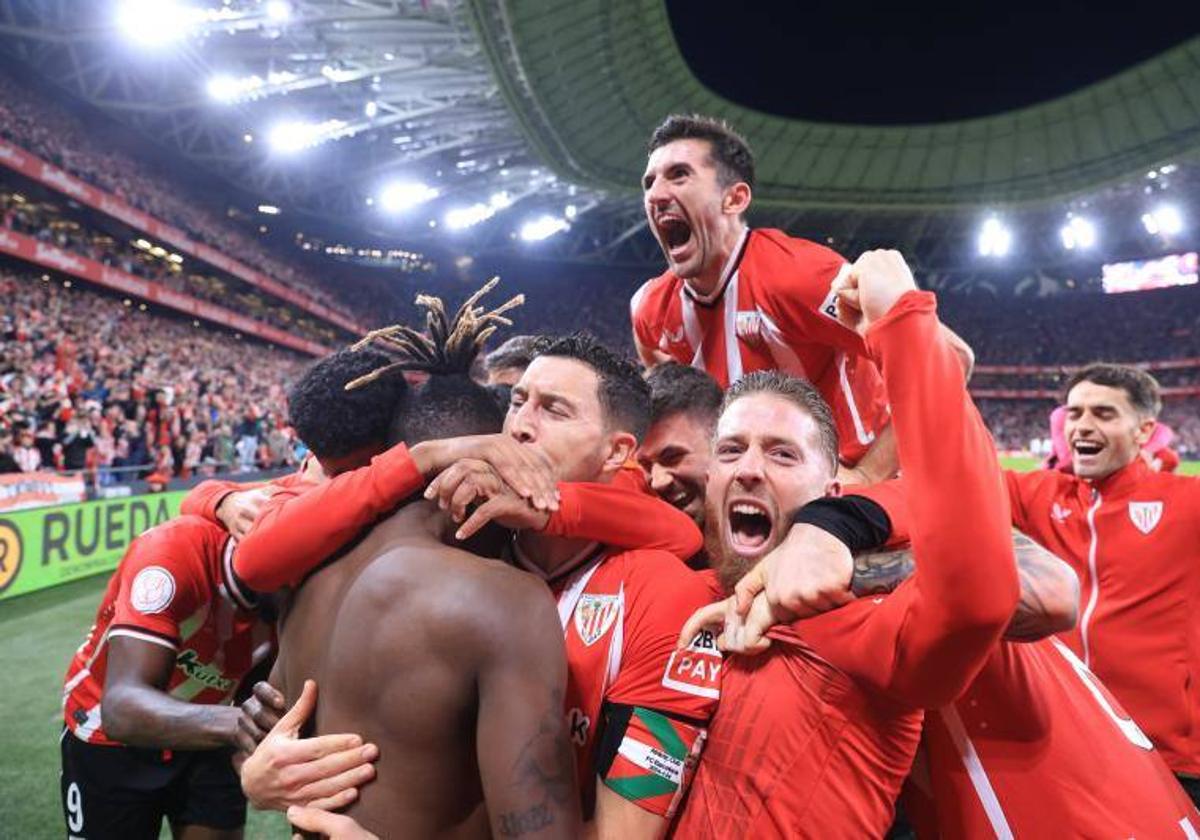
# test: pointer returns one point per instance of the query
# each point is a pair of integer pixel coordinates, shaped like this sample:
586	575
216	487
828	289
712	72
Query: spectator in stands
8	464
27	455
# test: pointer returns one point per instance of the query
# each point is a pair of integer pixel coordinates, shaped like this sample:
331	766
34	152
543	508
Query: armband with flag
648	757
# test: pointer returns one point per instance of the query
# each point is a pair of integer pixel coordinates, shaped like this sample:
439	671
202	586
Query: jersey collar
589	553
1124	480
731	265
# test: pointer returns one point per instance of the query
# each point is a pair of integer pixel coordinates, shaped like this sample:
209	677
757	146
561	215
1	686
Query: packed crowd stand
91	383
61	138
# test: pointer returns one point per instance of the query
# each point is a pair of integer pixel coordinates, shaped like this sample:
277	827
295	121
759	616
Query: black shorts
124	792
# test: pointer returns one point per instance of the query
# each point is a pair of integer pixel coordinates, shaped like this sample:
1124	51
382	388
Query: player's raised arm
925	643
524	748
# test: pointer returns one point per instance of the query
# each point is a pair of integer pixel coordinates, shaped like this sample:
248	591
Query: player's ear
1144	431
833	488
737	199
621	446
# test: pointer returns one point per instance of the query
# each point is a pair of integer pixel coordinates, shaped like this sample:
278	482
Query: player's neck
550	554
708	281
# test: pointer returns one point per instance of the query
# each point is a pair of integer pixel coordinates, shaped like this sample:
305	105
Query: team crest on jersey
594	616
1145	515
152	590
748	325
697	668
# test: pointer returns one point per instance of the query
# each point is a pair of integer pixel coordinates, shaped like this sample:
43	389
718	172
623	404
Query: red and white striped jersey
174	587
772	310
621	613
1037	747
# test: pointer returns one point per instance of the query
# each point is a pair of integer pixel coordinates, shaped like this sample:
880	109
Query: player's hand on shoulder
871	288
321	772
327	824
238	510
523	468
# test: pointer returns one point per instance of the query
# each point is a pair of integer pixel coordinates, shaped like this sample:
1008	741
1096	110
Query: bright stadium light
465	217
279	10
995	239
294	135
268	209
543	227
156	23
1078	233
371	109
1164	219
401	195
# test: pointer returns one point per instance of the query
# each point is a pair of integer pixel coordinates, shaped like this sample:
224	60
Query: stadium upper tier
47	136
588	81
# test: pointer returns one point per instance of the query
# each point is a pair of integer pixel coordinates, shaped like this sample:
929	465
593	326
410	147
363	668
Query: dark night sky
911	63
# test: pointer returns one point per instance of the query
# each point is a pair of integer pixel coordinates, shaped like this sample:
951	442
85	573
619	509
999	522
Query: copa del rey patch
594	615
1145	515
152	590
697	668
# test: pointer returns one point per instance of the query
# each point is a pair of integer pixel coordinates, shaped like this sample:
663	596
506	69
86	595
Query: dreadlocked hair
449	346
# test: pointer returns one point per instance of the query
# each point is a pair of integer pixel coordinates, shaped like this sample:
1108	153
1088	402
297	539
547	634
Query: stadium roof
509	109
589	79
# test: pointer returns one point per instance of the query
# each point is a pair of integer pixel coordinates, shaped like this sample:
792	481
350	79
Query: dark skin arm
524	749
138	711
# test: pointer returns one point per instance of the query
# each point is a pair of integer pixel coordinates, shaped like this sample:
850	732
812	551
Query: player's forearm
879	463
147	717
204	499
623	518
1049	601
297	532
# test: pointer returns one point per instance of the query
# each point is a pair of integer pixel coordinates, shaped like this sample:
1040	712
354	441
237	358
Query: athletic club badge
594	615
1145	515
152	590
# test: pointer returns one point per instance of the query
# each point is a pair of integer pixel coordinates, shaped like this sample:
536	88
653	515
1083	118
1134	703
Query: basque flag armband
648	757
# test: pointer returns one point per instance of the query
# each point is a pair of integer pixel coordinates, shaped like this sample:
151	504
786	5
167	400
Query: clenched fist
871	288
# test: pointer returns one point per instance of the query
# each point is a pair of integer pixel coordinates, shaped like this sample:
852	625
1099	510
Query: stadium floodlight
1079	233
279	10
371	109
156	23
231	88
500	200
995	239
465	217
543	227
1164	219
294	135
268	209
570	211
402	195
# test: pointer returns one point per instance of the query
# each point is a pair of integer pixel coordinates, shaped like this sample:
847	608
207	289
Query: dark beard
729	569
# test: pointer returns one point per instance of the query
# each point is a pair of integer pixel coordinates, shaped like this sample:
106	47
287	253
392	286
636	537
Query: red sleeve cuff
563	521
396	474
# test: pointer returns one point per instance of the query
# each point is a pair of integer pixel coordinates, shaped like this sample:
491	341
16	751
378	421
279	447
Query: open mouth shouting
750	526
675	234
1086	450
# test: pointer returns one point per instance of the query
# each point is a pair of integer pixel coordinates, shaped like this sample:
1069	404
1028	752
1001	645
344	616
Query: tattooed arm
523	746
1049	598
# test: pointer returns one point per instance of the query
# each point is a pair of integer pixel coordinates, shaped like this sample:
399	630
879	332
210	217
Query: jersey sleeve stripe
243	596
145	635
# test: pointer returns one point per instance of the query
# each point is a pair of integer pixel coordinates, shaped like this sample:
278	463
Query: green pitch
38	635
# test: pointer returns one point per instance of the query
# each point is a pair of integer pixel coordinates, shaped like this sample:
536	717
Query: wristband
860	523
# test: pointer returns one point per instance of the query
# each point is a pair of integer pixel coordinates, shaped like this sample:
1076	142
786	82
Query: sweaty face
767	462
683	200
675	457
556	407
1102	429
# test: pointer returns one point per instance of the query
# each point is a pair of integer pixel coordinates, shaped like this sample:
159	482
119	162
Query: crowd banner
33	167
44	547
32	250
38	489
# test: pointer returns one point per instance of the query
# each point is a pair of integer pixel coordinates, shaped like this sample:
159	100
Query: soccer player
814	738
149	732
735	300
684	405
1132	535
1035	740
506	363
449	662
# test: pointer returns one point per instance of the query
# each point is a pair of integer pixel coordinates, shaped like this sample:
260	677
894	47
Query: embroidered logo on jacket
1145	515
1059	513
